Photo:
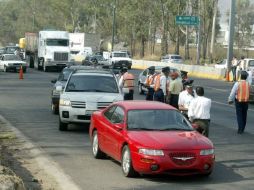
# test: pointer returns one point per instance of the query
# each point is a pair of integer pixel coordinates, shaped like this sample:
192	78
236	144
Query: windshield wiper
175	129
141	129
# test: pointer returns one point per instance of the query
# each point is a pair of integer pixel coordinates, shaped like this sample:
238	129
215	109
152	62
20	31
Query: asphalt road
26	104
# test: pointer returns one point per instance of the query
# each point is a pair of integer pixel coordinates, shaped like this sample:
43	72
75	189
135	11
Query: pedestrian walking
150	83
240	95
126	84
174	90
199	111
185	98
161	84
233	67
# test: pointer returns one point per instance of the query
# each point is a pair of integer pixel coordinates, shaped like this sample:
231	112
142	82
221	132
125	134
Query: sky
224	7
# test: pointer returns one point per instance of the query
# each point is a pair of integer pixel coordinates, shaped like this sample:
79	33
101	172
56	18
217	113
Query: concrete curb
44	162
193	70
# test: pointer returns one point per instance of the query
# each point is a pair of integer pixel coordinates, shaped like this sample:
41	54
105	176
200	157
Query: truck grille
102	105
60	56
183	158
76	104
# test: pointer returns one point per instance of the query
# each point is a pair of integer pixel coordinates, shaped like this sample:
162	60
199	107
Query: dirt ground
15	156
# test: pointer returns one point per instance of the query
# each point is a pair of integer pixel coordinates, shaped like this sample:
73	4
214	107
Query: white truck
76	42
120	59
48	49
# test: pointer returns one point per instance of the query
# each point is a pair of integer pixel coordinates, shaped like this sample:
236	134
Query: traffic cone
21	73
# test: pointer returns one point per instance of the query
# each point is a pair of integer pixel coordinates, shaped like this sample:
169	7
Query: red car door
103	125
113	135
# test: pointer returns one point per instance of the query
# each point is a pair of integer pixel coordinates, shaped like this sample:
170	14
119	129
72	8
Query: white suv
86	91
120	59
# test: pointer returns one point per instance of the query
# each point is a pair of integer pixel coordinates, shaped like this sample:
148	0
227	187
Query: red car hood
169	140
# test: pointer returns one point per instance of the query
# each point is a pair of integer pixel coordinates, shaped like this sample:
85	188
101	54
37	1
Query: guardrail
208	72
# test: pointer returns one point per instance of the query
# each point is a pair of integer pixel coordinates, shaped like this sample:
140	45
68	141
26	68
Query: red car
149	138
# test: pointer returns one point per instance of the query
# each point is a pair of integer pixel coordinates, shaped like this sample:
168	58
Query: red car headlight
206	152
151	152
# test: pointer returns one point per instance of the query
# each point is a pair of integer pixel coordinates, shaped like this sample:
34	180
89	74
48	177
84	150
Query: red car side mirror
118	126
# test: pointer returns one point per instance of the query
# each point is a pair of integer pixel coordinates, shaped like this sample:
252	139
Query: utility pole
230	38
199	34
33	14
113	26
213	29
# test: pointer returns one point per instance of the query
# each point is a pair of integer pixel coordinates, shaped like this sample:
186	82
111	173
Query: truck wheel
40	64
31	61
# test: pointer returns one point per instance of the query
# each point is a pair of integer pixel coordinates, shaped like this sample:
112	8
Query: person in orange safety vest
161	85
149	83
240	95
127	83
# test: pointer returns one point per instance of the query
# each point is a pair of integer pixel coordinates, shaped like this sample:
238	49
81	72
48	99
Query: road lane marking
224	104
221	90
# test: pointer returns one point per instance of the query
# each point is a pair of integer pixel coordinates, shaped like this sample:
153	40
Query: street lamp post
113	25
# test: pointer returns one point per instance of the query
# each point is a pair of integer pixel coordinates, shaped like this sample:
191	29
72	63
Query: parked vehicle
172	58
86	91
1	51
120	59
222	64
50	49
95	60
149	137
144	74
61	82
12	62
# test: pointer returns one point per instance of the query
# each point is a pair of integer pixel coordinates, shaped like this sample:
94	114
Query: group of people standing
168	87
240	65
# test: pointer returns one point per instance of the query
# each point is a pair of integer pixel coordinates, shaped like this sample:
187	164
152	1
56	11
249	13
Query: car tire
97	153
126	163
54	109
63	126
140	88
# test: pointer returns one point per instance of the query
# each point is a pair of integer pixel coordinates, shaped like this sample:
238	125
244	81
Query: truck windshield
120	55
57	42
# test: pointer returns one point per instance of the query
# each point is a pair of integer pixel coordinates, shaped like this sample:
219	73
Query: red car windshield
158	120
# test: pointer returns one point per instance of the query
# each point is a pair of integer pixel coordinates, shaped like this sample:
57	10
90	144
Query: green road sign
187	20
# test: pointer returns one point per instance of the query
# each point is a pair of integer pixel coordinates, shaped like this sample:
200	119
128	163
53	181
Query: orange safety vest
243	91
150	79
157	85
128	81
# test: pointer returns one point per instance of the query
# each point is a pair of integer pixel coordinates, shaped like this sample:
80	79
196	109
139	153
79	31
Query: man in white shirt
185	98
199	111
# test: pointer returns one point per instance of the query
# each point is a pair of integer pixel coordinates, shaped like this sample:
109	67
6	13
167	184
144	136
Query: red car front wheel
127	167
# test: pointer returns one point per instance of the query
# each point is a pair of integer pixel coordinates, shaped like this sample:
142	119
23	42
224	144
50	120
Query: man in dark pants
161	85
199	111
240	95
150	83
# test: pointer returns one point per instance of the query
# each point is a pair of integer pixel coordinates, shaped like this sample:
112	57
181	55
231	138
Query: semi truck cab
53	50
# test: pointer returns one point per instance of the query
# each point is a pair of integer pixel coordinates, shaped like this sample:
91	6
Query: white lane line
224	104
221	90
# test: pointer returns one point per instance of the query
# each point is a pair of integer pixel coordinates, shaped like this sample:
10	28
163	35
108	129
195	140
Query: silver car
172	58
86	91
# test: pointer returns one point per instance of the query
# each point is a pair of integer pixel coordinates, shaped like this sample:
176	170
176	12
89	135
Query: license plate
89	112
